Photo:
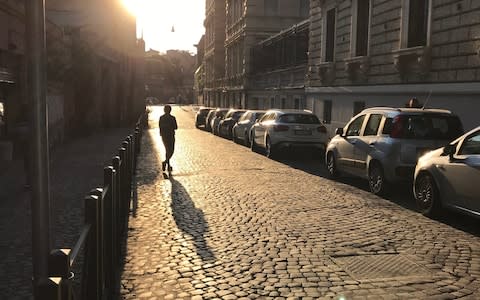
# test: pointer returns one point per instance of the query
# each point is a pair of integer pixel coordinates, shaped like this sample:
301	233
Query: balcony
357	68
415	60
326	72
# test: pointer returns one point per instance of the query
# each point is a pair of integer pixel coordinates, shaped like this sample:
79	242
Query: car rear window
258	116
237	114
425	126
299	118
203	112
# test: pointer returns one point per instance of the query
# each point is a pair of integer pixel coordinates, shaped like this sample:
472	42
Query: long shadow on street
401	194
190	219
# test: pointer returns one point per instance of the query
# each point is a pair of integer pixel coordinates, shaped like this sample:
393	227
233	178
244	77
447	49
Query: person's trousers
169	144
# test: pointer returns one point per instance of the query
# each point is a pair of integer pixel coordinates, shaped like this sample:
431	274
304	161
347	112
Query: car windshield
426	126
203	112
299	118
237	115
259	115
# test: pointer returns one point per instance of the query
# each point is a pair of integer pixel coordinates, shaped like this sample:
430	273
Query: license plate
303	132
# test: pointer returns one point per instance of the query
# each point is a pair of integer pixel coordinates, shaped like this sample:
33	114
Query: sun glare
156	18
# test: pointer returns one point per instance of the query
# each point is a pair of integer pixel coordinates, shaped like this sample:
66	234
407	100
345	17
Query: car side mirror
449	150
339	131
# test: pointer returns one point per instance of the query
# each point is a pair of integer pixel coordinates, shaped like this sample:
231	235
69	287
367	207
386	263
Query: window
299	119
271	7
362	22
304	8
355	127
272	102
358	106
330	36
327	111
259	115
297	103
471	146
417	23
372	125
283	103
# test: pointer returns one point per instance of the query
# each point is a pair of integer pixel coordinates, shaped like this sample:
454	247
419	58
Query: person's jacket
167	125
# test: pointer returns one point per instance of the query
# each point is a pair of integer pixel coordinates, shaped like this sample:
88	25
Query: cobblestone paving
232	224
76	168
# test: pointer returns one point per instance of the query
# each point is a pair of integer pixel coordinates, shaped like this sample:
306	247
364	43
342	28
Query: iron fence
107	209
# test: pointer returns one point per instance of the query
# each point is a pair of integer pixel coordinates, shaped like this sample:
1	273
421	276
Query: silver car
241	130
288	128
218	116
450	177
383	144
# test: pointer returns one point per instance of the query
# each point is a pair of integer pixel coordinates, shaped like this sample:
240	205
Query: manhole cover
380	266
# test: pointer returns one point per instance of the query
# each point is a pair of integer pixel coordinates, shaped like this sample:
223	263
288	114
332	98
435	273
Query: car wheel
247	140
331	165
234	137
426	195
376	179
269	148
253	145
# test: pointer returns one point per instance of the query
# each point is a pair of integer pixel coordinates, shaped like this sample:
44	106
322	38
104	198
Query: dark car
208	119
201	116
231	118
219	115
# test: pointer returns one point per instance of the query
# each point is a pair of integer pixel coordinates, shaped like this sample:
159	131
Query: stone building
278	68
214	56
199	76
249	22
367	53
106	59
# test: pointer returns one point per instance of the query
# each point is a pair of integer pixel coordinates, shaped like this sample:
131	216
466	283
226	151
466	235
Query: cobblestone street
233	224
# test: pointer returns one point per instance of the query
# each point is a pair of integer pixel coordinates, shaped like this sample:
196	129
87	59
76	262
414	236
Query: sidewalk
76	168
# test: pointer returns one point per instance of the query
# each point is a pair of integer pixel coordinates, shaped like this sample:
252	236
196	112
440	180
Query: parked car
288	128
219	115
450	177
231	118
241	130
208	119
201	116
383	144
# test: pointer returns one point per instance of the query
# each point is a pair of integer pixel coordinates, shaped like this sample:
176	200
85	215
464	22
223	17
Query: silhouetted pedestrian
167	125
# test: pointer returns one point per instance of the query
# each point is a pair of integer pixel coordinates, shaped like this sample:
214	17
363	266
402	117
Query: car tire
331	165
426	195
253	145
269	148
234	138
376	179
247	140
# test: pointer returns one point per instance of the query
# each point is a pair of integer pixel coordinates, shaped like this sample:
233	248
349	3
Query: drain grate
369	267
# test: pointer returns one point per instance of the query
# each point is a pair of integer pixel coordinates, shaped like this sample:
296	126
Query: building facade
214	57
365	53
278	68
249	22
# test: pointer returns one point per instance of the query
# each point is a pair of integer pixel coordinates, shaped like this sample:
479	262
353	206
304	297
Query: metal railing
106	223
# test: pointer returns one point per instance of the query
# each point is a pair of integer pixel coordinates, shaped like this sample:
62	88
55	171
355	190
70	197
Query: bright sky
156	18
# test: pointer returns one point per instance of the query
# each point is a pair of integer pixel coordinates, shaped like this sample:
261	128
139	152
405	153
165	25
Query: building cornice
465	88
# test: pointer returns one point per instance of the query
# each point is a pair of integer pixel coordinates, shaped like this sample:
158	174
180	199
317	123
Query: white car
383	144
241	130
288	129
450	177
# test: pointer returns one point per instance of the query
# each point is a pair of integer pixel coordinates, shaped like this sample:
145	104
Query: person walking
167	125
